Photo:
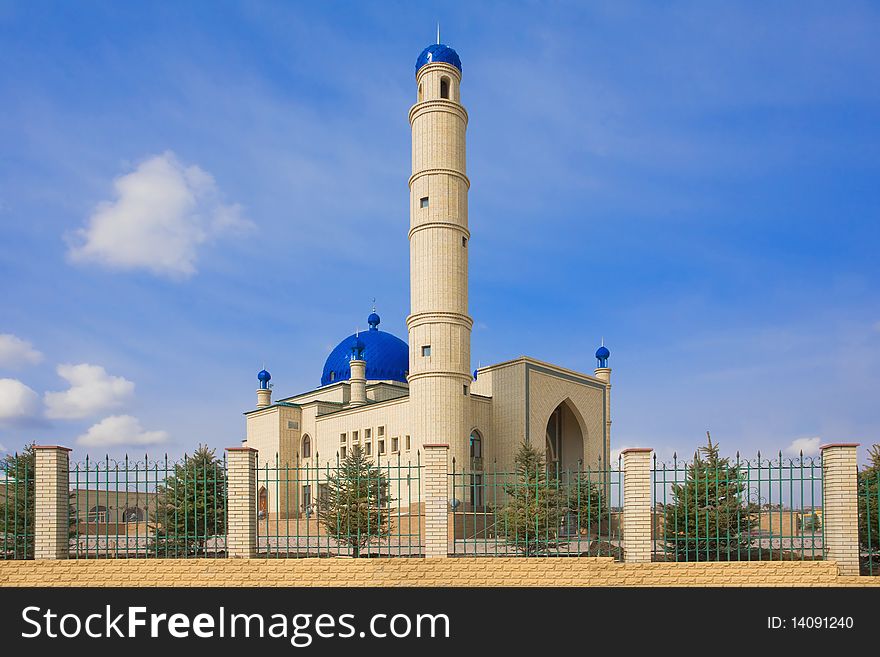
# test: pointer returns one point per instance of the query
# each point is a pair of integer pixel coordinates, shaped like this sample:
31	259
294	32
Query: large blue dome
437	52
387	357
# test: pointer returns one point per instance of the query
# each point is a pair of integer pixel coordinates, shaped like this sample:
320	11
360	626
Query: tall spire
438	33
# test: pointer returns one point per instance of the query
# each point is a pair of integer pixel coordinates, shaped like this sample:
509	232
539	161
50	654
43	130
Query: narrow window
307	499
464	389
381	432
420	93
444	88
381	447
464	242
332	376
342	438
342	452
306	446
423	202
426	350
368	434
354	436
407	443
368	449
395	444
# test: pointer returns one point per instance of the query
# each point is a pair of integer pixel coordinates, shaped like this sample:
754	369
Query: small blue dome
387	357
602	352
264	377
373	320
437	52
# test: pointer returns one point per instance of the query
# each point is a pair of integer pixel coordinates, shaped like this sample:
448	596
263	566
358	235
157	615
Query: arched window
444	87
476	445
420	93
133	514
98	514
262	502
306	447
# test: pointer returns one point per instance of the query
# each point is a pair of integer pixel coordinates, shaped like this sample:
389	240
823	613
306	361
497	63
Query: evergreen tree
17	504
356	510
535	506
869	521
708	519
190	506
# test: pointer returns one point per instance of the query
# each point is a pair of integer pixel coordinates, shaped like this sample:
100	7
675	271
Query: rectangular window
423	202
368	434
342	452
342	438
354	436
381	432
406	442
292	424
464	387
368	449
323	495
307	498
395	444
426	350
381	446
464	241
476	490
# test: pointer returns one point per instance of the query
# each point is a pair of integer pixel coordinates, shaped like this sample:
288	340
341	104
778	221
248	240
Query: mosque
389	397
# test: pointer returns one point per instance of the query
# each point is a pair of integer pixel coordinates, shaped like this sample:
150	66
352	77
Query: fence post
51	501
436	488
840	506
637	529
241	496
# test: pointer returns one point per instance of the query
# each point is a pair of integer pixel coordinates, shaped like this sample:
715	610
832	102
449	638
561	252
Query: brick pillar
637	504
436	487
840	506
51	501
241	523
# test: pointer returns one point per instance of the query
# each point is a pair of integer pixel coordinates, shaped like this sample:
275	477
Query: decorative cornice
439	171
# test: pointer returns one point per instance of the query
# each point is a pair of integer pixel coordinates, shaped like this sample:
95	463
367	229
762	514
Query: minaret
358	378
439	324
603	372
264	392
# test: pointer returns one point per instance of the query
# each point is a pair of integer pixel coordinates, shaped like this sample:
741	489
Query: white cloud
809	446
15	352
17	401
163	212
91	391
120	430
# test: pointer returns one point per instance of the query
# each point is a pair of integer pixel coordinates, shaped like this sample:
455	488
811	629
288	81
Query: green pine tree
535	506
869	520
708	519
356	510
189	517
17	504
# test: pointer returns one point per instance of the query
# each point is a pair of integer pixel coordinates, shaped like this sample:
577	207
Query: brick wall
459	571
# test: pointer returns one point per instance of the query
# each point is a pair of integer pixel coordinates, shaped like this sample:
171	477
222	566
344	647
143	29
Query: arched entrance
564	444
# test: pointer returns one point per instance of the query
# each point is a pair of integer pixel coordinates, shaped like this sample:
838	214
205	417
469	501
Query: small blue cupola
357	348
602	355
264	377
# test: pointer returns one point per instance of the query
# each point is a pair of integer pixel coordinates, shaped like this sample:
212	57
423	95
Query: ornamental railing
17	506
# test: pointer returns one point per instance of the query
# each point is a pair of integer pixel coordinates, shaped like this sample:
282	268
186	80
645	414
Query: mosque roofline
272	405
541	363
355	409
344	382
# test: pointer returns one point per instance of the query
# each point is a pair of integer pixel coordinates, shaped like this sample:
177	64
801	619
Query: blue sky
699	183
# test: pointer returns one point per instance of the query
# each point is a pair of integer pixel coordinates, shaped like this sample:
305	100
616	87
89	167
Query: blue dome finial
438	52
373	320
602	355
264	377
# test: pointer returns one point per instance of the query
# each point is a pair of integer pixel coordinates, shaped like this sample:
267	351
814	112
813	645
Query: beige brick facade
436	487
241	521
461	571
840	511
637	498
51	502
